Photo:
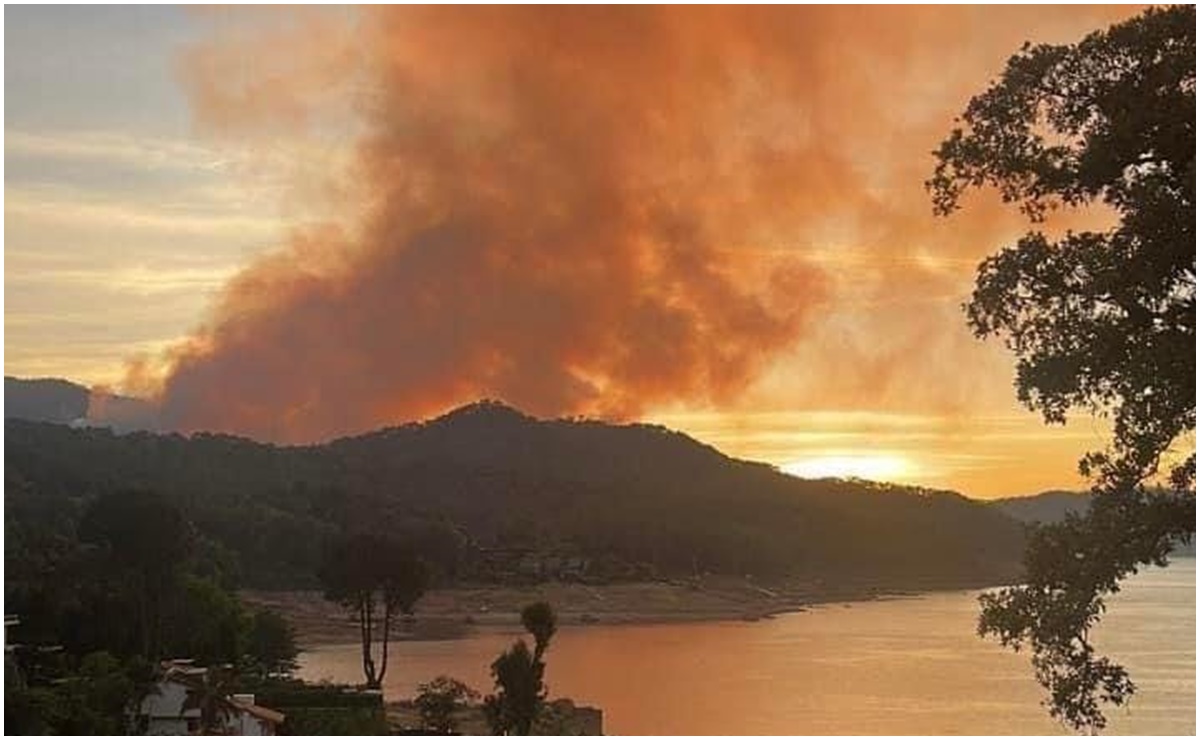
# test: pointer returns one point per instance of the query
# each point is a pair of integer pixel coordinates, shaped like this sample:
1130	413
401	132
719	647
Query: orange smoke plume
585	210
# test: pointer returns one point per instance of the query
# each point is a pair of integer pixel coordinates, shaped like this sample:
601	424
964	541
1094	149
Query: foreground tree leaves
1103	321
1070	568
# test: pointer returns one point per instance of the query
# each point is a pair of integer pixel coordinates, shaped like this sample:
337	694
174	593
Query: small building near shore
162	711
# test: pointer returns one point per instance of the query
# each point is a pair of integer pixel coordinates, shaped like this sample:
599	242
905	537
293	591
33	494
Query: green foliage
321	709
207	624
518	673
90	697
214	561
146	541
24	709
336	721
1103	321
141	530
271	645
110	607
438	700
289	693
126	589
403	579
632	501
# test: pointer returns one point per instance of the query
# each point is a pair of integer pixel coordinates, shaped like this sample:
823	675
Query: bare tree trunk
364	632
372	679
387	625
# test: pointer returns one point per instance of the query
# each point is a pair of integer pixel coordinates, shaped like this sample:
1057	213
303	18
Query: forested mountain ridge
632	500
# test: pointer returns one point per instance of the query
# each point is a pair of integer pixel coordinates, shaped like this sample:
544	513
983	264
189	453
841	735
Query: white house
162	712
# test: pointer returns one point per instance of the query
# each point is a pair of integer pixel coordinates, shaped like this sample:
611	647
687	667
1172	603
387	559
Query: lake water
896	667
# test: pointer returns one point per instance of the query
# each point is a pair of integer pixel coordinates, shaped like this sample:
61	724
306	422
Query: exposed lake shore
452	613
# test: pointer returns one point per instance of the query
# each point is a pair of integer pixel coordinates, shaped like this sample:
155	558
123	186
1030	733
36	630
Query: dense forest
625	500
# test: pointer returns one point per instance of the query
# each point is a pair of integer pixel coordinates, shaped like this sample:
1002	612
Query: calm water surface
905	666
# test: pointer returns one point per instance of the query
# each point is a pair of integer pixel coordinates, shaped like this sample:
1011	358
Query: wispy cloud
114	148
137	280
59	207
96	361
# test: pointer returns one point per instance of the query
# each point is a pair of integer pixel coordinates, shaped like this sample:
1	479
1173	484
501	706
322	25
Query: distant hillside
1050	507
1044	508
44	399
63	402
484	482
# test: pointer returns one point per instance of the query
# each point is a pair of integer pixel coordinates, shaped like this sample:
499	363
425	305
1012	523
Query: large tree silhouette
146	540
364	572
1098	320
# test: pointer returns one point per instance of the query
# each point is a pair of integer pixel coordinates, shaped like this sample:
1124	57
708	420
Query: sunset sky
300	224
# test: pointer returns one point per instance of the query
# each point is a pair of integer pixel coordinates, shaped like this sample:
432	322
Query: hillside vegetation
486	492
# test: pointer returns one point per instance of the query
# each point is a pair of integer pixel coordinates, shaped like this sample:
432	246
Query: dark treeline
486	481
98	609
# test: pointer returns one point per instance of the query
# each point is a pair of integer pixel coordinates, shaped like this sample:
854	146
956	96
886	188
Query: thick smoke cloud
579	211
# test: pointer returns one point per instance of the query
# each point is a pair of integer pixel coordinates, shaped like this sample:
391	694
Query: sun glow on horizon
881	468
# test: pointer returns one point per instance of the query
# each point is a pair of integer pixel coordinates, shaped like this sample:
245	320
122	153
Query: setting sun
869	467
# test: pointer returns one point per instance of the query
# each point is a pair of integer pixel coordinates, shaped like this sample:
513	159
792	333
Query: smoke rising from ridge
584	210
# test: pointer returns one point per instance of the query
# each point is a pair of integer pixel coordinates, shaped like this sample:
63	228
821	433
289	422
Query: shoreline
458	612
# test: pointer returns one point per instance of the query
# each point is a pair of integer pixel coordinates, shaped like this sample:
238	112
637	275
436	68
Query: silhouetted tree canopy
438	700
512	709
634	501
363	571
540	621
1098	320
145	535
271	644
518	673
92	699
142	530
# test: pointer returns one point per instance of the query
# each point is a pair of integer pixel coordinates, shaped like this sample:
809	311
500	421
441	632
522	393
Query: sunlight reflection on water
904	666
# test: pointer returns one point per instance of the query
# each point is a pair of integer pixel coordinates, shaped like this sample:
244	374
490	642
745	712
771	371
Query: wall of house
164	715
163	711
167	702
244	724
167	726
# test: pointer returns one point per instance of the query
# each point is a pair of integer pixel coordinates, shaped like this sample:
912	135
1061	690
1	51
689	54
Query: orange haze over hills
711	217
